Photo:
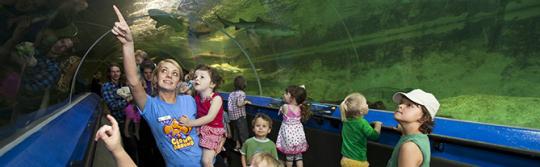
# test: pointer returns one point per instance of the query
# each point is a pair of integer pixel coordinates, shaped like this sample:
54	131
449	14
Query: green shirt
421	140
253	145
354	133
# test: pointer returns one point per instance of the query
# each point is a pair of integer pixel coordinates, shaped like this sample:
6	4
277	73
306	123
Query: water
480	58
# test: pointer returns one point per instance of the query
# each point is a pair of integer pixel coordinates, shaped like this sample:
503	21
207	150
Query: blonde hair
354	105
141	53
158	67
265	157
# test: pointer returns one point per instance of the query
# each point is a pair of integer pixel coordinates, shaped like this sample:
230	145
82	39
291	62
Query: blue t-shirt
178	144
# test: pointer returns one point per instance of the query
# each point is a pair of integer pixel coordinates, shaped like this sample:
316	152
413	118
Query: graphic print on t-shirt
177	134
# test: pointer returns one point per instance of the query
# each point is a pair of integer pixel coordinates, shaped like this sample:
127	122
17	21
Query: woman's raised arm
123	34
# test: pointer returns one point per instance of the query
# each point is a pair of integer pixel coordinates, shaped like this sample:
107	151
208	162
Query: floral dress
291	137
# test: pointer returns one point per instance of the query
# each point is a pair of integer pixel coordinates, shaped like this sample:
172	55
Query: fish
227	67
259	26
163	18
211	54
199	30
198	34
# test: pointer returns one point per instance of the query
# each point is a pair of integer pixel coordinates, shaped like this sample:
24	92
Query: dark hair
111	65
300	94
74	41
214	75
147	63
263	117
239	83
427	122
190	75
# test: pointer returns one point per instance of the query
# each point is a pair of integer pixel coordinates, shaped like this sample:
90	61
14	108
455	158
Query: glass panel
39	55
480	58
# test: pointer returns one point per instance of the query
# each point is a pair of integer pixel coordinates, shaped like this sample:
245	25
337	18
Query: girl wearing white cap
415	113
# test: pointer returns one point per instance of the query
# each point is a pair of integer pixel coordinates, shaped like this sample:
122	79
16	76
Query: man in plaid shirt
115	103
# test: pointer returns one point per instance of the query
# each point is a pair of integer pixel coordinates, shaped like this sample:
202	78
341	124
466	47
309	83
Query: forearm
244	164
130	65
134	82
372	133
201	121
123	159
241	101
215	107
241	104
377	128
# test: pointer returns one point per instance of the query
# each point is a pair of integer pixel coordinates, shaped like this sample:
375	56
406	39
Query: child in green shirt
356	131
415	114
262	124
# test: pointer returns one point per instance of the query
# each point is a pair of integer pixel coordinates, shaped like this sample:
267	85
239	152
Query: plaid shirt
115	103
43	75
236	97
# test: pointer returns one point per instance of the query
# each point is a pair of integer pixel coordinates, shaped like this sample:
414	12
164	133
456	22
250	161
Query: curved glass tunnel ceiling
480	58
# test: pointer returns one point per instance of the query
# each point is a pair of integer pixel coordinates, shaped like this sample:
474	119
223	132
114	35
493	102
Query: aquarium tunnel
63	71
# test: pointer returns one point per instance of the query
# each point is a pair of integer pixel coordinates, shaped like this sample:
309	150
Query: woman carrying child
178	144
209	112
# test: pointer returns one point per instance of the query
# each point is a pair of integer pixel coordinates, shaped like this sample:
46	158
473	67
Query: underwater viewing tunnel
64	66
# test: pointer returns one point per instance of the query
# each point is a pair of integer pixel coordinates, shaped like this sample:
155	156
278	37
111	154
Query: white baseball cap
420	97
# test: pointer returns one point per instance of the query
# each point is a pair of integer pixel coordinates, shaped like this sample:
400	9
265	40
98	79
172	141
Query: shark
259	26
163	18
228	67
211	54
199	29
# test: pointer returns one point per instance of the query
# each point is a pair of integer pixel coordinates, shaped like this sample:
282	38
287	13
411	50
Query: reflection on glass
37	47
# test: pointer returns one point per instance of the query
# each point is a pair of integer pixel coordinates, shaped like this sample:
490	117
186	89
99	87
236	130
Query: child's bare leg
237	144
289	163
137	127
126	127
288	160
221	143
299	163
208	157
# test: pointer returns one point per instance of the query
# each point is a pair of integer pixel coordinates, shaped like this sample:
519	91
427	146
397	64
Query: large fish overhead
164	18
259	27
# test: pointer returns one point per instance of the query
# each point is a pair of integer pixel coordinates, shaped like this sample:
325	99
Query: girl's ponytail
305	111
299	94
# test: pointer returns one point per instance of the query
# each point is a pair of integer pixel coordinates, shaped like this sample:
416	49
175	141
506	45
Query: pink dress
132	114
291	137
